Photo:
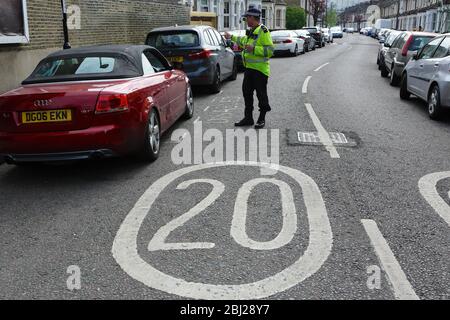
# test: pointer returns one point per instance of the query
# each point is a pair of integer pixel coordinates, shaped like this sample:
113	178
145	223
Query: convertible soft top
129	64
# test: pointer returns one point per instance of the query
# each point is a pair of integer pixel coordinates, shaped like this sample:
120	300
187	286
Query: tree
331	18
295	18
317	8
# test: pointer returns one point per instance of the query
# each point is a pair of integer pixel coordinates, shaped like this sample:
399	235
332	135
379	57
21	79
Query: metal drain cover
339	139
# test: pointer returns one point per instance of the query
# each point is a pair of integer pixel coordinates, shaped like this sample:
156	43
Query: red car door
174	81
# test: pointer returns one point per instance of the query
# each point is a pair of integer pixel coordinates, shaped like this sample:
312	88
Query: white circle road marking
125	251
305	84
427	187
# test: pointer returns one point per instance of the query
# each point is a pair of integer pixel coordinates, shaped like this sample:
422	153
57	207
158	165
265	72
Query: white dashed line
323	134
305	84
206	109
402	288
325	64
197	120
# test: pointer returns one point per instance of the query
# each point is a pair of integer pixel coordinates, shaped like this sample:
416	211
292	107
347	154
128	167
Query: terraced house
226	14
430	15
31	29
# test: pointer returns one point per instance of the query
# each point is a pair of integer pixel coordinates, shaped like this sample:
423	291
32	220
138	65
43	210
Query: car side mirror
387	45
415	56
381	41
229	43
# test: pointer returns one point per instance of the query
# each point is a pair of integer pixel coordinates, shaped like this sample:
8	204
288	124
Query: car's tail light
406	46
301	37
204	54
108	103
287	41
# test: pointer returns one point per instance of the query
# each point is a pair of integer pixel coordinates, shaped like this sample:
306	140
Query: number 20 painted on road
126	253
238	231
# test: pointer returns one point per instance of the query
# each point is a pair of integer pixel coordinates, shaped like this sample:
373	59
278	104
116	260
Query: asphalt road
352	211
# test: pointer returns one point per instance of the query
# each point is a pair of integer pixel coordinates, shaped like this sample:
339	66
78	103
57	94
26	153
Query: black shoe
244	123
260	124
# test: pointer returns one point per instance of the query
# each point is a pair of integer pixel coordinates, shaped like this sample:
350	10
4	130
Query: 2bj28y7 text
239	310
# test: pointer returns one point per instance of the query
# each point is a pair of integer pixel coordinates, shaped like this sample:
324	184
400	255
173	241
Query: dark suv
200	51
317	34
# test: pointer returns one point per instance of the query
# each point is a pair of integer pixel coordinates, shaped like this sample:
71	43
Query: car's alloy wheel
152	137
434	103
394	78
189	113
235	72
216	86
404	93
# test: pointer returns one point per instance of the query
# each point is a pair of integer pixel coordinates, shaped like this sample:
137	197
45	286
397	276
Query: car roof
421	33
181	28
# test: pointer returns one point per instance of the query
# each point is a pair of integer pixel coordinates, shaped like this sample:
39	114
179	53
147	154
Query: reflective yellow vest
258	58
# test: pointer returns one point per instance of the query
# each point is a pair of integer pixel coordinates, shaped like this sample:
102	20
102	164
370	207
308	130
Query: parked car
317	34
237	51
336	32
200	51
287	42
93	102
328	35
427	76
391	35
310	43
401	51
350	30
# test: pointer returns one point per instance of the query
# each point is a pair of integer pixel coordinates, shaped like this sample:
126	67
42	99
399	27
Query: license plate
175	59
47	116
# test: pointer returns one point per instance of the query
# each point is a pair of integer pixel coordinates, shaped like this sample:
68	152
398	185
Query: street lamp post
65	29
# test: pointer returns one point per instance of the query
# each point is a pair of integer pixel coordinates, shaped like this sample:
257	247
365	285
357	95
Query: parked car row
419	62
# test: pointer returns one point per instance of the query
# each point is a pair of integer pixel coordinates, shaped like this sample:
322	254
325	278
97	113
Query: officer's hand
249	48
227	36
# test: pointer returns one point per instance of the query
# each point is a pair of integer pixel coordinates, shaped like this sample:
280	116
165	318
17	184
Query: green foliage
295	18
331	18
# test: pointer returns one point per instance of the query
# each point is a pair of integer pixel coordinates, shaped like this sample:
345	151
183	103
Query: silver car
427	76
287	42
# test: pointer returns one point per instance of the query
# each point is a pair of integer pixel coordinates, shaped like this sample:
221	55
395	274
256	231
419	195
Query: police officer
257	48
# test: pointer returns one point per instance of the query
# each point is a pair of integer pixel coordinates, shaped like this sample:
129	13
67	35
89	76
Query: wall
102	22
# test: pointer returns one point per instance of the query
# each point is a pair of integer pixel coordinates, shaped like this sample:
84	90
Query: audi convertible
93	102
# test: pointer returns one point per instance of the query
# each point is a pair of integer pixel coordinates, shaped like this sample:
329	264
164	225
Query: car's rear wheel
216	85
394	80
152	137
295	53
434	103
189	113
404	93
384	72
235	71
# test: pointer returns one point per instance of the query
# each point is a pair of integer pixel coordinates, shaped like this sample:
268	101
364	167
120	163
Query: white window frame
204	7
19	39
227	14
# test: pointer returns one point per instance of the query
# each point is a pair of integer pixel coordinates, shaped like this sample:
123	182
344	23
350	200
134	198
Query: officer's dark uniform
257	70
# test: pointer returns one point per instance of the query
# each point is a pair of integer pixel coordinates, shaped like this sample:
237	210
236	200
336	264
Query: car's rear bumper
201	76
63	156
66	145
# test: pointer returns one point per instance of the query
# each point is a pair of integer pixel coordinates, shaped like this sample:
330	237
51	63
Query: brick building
90	22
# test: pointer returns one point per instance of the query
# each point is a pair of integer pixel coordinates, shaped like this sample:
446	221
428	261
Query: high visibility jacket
258	58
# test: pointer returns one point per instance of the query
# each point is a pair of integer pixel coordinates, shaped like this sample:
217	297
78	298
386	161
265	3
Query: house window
226	14
278	19
215	4
14	22
263	16
204	6
236	14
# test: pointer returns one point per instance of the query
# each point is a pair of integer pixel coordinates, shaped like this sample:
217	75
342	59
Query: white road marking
325	64
305	84
206	109
323	134
197	120
125	246
427	187
402	288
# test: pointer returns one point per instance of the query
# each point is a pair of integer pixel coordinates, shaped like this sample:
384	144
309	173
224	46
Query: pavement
342	218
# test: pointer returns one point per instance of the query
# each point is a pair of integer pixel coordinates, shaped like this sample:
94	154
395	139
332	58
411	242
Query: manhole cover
339	139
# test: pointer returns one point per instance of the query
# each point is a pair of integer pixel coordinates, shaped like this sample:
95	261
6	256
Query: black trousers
255	80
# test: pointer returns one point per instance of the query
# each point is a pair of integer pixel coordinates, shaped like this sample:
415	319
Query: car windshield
418	42
173	39
335	29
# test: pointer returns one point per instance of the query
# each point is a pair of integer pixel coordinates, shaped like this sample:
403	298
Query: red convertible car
93	102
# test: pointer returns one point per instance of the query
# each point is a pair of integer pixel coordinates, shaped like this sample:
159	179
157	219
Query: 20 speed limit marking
319	247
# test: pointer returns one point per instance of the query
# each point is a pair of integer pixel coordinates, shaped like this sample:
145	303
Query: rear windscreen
82	67
179	39
418	42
